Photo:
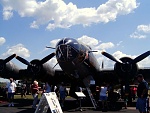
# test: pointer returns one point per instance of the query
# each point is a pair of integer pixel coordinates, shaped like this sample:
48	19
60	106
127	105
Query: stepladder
87	85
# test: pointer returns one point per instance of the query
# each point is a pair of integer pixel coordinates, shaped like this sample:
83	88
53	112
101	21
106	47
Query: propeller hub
127	69
35	66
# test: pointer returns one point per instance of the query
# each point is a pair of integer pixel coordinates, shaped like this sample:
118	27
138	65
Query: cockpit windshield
67	49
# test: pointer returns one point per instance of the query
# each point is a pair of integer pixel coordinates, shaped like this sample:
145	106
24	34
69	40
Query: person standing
35	92
11	88
23	91
142	93
47	88
97	91
62	92
133	92
103	96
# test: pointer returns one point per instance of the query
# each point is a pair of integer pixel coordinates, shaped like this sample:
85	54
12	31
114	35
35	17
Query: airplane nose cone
66	53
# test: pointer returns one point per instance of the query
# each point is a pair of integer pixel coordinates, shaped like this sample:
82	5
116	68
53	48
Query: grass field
18	96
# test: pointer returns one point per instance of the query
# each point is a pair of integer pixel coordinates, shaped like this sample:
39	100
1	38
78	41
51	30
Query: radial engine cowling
126	69
40	71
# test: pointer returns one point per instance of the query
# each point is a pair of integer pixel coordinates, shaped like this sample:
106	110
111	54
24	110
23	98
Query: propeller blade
9	58
111	57
23	60
141	57
45	59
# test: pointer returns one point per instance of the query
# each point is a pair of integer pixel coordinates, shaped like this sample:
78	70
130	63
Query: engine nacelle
127	67
40	71
8	70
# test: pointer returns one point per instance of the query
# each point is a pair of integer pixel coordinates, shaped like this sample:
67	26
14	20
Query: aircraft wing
58	77
145	72
107	76
110	76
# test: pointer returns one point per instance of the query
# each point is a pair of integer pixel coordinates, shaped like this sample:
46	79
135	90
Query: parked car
3	92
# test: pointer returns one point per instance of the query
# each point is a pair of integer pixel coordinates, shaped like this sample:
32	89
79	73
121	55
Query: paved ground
24	106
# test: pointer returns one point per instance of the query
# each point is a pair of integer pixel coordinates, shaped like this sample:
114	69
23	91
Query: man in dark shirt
142	93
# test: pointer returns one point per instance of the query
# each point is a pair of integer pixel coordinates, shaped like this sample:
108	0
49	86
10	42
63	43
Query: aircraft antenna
50	47
55	65
102	64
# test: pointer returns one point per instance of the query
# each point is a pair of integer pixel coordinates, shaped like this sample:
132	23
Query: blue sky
120	27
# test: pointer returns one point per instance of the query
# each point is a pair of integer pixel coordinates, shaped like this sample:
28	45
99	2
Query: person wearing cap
11	88
142	93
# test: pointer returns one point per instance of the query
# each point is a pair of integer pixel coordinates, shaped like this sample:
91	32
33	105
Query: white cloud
112	8
58	14
2	40
34	25
94	43
105	45
137	35
18	49
141	31
144	28
119	43
88	40
7	13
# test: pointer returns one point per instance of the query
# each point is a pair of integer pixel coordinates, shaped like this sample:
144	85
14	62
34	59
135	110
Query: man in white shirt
11	88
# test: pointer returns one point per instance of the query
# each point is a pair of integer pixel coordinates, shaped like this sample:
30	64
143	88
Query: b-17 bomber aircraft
78	62
79	66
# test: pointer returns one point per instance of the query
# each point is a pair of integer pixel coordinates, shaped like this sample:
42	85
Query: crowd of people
47	88
103	92
11	89
106	92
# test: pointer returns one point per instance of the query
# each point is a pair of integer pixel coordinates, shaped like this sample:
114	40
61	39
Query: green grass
18	96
